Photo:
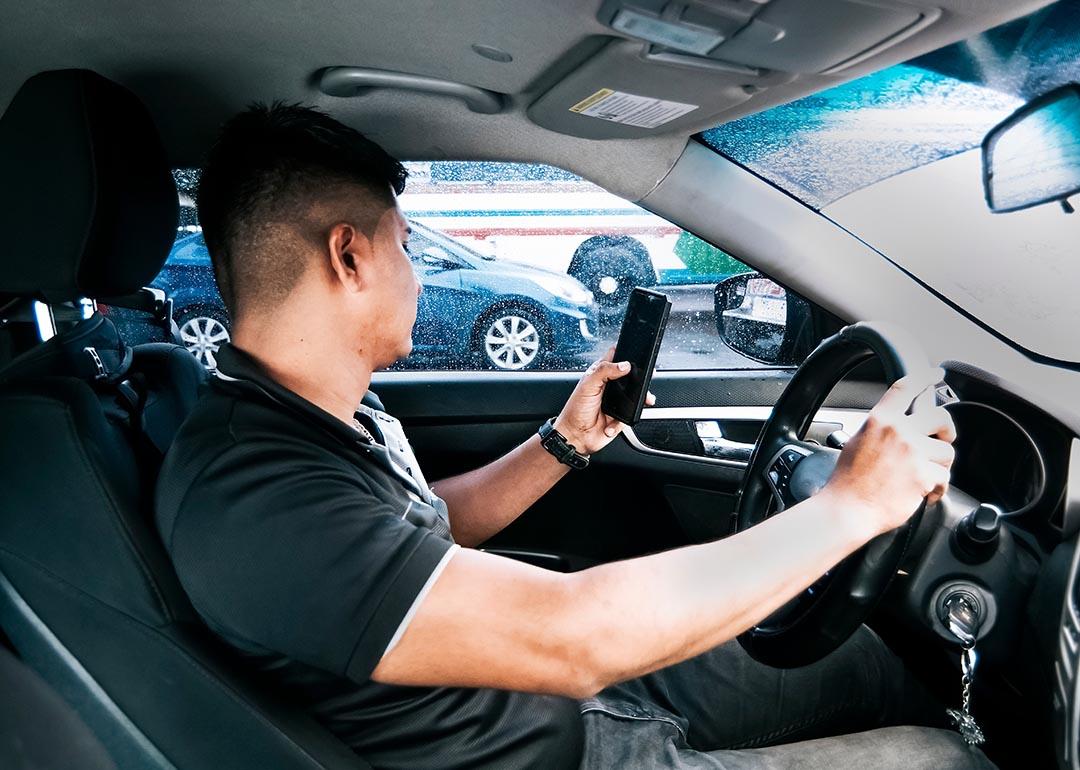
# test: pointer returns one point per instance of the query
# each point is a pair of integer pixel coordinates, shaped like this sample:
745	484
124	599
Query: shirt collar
239	369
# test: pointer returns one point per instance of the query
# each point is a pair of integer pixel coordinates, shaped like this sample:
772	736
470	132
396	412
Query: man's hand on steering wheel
582	423
896	459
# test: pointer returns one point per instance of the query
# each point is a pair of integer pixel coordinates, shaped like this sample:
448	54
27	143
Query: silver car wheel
511	342
202	336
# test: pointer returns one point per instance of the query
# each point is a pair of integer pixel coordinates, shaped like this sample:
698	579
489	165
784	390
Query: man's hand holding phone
581	420
616	388
639	343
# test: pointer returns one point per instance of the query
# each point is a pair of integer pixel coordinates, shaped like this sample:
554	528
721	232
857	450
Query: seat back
87	594
39	730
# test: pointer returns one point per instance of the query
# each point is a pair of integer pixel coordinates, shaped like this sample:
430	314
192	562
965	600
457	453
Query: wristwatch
556	443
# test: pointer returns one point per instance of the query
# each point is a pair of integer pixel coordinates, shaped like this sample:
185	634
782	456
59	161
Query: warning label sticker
631	109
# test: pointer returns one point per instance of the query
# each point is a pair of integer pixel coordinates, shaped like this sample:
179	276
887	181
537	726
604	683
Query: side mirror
1033	156
439	258
758	318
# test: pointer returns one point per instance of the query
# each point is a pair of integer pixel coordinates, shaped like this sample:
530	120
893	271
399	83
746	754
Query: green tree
704	258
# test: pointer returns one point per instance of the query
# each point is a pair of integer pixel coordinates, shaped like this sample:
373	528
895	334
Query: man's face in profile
394	289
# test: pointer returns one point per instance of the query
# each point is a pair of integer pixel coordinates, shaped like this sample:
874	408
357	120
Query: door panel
724	435
651	489
426	397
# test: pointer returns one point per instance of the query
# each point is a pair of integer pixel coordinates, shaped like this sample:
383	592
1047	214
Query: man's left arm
483	501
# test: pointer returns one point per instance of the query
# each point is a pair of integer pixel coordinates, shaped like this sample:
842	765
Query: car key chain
961	617
963	719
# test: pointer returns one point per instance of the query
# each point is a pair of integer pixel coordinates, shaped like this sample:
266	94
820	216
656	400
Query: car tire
511	338
202	331
610	266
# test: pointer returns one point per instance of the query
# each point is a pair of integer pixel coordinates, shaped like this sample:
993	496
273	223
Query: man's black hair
268	166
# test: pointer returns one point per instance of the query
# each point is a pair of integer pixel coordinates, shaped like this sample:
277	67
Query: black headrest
87	202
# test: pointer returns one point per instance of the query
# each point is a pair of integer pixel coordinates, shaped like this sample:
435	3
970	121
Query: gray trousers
725	711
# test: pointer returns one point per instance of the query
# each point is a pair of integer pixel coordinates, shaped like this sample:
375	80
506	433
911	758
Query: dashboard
1011	454
997	459
1020	459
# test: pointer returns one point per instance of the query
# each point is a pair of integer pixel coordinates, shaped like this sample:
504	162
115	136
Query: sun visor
618	94
677	65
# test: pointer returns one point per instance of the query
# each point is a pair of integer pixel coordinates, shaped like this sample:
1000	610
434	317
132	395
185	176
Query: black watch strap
556	443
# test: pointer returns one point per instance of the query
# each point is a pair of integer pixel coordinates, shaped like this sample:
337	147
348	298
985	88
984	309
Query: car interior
100	102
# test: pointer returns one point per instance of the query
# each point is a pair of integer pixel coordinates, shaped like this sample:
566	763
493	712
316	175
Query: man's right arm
494	622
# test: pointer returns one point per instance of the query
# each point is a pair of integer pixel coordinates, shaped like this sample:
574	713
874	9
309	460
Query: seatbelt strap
107	370
131	396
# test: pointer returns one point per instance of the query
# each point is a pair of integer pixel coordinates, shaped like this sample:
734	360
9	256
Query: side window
529	267
549	261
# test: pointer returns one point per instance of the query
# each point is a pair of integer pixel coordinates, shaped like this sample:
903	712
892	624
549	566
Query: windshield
893	158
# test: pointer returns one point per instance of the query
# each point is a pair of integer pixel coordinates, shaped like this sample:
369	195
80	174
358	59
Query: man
307	537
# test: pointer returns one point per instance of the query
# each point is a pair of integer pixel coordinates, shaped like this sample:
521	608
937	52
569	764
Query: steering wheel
785	469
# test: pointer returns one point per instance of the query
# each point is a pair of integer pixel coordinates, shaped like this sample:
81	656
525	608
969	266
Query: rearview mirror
758	318
1033	156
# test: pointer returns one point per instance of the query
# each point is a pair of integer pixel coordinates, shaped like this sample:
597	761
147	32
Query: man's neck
307	362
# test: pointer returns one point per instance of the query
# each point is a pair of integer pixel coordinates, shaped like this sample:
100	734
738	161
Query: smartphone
639	342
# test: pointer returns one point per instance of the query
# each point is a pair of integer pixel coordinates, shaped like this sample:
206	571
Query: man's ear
349	250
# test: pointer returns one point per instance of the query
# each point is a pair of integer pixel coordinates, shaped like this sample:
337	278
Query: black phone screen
639	342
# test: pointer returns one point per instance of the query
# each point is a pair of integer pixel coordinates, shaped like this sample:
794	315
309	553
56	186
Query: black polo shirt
305	546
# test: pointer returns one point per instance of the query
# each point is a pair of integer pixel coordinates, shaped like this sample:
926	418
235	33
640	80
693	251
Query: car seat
37	729
88	597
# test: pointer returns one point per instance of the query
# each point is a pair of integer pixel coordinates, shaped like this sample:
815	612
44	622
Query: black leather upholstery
87	206
31	718
87	594
78	546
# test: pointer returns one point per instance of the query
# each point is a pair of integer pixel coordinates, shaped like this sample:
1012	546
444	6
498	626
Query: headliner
196	63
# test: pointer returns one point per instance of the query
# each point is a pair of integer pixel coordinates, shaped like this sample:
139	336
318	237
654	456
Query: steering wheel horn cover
822	617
